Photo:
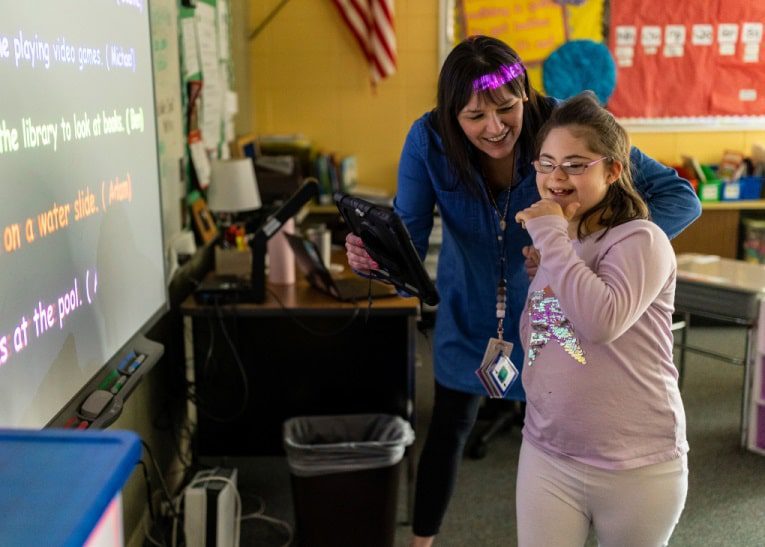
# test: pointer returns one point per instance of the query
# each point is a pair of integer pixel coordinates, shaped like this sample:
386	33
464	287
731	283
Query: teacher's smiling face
493	127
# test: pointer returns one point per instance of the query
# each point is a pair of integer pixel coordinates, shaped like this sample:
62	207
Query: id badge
497	372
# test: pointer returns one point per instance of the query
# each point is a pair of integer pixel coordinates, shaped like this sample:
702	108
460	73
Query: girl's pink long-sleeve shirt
600	381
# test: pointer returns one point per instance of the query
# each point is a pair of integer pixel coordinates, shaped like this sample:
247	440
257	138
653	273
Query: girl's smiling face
564	151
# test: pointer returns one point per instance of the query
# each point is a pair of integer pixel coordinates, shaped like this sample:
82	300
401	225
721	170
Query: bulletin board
209	103
692	64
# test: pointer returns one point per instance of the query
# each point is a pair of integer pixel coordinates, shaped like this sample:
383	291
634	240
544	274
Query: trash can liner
320	445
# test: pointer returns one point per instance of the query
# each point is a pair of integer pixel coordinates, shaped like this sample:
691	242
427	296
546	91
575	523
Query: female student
471	157
604	435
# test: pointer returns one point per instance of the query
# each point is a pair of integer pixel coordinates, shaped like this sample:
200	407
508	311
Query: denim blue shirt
469	261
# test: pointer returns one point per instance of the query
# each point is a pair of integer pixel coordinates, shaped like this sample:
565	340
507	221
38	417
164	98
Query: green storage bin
711	190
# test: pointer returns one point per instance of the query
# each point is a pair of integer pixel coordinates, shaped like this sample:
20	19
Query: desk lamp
233	188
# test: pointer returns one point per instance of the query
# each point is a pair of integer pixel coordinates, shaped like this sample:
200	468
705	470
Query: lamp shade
233	186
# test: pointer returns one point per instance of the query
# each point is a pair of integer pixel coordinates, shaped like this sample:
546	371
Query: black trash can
344	472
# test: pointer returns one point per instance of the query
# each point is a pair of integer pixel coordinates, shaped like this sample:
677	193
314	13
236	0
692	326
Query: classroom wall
308	75
707	147
304	73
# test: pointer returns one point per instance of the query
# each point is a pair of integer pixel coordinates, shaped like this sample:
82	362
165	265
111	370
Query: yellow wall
706	147
308	76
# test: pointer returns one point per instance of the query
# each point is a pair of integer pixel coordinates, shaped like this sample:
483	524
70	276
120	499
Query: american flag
371	22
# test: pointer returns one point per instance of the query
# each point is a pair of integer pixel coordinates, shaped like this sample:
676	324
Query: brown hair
472	58
587	119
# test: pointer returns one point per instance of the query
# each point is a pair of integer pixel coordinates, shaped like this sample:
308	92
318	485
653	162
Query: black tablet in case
388	242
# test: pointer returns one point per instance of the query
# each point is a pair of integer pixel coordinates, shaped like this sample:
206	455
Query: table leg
751	337
188	351
411	453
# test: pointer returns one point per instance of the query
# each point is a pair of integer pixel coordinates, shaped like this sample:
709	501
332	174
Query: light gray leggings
557	499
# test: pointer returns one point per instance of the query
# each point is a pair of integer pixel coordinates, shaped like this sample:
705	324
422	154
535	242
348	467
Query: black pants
454	414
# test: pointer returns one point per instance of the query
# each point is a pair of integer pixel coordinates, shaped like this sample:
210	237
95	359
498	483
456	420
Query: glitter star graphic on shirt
548	322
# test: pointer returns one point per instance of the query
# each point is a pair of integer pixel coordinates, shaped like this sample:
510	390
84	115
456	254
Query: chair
504	415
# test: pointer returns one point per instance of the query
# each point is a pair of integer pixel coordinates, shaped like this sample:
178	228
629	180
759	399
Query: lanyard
502	284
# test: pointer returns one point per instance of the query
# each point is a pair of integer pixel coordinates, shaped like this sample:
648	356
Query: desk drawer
704	299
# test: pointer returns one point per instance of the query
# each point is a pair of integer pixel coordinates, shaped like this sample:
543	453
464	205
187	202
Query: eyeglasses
569	167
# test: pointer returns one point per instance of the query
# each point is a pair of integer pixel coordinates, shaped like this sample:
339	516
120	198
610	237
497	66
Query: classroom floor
726	499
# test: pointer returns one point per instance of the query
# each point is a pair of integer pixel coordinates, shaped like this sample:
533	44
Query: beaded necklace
501	304
502	284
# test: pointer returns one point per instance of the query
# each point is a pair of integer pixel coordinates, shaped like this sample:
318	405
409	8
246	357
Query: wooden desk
732	291
717	230
299	353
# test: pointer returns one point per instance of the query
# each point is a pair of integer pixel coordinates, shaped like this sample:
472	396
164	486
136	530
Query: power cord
150	505
369	302
166	421
345	326
201	404
165	491
153	522
278	522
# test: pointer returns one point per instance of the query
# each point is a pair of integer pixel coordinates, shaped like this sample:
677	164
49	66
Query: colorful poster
534	28
695	58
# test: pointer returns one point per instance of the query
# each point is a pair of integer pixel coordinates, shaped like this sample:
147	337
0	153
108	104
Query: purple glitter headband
499	77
